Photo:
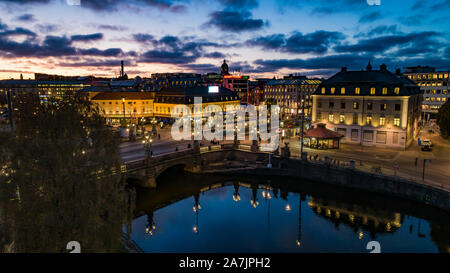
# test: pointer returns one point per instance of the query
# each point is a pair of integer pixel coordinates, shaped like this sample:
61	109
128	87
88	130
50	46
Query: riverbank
324	172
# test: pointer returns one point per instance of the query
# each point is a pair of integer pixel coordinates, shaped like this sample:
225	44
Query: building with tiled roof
169	97
369	107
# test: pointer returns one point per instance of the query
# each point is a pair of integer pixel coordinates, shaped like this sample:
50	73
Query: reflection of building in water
356	216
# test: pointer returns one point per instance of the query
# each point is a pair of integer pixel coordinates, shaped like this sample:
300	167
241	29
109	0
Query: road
437	173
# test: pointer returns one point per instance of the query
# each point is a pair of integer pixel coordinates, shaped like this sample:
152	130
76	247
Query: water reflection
211	214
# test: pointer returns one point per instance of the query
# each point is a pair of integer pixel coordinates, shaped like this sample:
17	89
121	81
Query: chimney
397	72
343	69
122	72
383	67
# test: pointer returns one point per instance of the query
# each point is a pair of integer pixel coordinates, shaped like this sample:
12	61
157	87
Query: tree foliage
443	120
61	179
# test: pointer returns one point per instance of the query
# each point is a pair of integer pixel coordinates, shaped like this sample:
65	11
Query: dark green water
212	213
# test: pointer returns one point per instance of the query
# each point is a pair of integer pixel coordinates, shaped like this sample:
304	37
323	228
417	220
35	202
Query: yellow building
133	106
369	107
125	105
167	99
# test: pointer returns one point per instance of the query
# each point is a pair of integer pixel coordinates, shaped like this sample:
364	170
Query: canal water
214	213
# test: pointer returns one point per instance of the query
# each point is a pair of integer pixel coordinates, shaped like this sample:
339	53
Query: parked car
427	142
426	147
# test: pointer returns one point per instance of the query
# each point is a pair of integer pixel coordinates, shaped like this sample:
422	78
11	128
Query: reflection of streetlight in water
254	202
236	196
150	227
196	208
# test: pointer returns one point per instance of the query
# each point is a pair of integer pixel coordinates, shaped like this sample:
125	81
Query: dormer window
323	90
397	90
343	91
333	90
372	91
357	90
385	90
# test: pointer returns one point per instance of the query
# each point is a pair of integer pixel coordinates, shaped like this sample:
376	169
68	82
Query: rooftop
321	132
294	82
367	79
126	95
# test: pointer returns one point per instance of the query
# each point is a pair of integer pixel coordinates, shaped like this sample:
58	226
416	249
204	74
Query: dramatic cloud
88	37
383	43
113	5
111	27
214	55
51	46
235	21
172	50
16	32
239	4
383	29
26	17
317	42
370	17
326	62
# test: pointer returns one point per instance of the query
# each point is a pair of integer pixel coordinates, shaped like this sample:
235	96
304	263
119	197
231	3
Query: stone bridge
144	172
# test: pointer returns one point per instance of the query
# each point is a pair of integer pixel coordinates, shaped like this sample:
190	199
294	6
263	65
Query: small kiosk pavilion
320	137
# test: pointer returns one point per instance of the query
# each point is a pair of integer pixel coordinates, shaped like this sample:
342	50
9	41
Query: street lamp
148	146
123	104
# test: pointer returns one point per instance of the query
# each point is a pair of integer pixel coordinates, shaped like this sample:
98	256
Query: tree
443	120
3	99
61	178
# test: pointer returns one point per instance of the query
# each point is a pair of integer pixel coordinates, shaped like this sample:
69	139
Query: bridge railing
245	147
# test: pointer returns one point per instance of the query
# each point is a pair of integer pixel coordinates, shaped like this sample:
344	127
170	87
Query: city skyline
257	37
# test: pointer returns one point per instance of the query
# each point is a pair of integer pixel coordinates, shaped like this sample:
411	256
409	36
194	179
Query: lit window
331	117
357	90
384	90
396	121
372	91
383	107
332	90
355	105
397	90
343	91
323	90
369	120
342	118
382	121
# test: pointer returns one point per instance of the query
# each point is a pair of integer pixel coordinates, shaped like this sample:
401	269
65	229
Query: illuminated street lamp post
123	104
148	146
303	122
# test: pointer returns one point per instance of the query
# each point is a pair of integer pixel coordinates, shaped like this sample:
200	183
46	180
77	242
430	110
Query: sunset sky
258	37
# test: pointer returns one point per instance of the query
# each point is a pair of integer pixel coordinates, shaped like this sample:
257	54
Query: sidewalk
437	173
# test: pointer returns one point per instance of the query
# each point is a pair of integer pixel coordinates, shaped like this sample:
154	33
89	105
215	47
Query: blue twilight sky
258	37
